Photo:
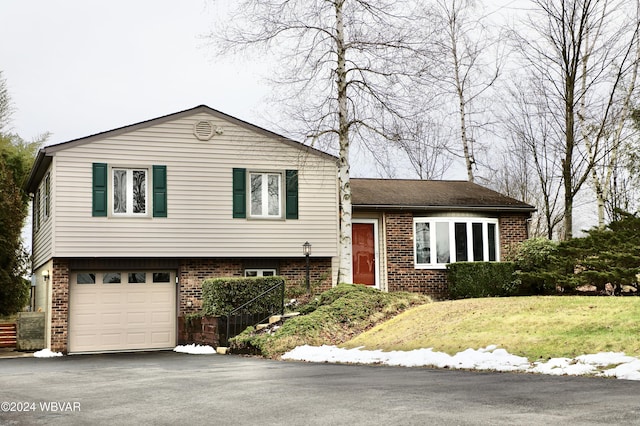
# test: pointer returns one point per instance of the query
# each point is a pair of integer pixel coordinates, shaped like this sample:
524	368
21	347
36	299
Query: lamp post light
306	250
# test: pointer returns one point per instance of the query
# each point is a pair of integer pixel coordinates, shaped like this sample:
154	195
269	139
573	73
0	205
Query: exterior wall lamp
306	250
45	275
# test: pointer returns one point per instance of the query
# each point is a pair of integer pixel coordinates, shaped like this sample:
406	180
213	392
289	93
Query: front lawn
539	327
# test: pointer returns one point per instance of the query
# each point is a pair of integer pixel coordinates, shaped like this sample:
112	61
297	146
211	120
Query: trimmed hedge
221	295
481	279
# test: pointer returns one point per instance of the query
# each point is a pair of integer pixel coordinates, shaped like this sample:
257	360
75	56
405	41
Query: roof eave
522	209
40	165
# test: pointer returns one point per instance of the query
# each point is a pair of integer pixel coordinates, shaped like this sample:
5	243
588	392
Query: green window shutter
292	194
159	191
99	204
240	193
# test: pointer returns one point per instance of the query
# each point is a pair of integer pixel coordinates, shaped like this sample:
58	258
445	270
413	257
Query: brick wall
59	305
192	272
513	230
294	270
401	272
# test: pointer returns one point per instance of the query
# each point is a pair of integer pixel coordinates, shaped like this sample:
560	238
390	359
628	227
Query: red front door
364	255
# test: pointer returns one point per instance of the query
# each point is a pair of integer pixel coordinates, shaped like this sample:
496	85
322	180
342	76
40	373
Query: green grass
333	317
535	327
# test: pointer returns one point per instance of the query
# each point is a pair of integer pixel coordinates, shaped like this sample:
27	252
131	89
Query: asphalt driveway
170	388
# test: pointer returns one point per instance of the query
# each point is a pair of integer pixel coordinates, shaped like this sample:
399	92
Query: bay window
442	240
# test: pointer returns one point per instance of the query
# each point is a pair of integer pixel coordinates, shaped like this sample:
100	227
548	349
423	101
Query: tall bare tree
463	64
605	127
554	44
426	146
343	68
531	167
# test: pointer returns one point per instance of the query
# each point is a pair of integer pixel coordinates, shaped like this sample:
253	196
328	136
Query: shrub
604	256
333	317
532	260
221	295
481	279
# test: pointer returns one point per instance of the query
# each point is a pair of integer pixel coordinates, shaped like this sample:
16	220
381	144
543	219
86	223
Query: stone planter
30	331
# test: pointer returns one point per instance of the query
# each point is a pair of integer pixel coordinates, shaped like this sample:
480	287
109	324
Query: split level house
128	223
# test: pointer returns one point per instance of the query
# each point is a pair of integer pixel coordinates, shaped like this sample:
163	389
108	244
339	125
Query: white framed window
259	272
266	195
47	196
129	191
441	240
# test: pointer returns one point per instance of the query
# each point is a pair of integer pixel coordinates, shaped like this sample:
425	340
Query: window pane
139	191
423	248
161	277
268	273
461	242
111	278
492	241
256	195
250	273
476	232
442	242
274	195
119	191
137	277
86	278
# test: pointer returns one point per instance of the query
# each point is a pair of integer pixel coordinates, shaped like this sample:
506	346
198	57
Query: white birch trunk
345	261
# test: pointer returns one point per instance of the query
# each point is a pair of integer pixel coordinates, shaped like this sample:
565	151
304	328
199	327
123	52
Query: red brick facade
191	273
59	305
401	272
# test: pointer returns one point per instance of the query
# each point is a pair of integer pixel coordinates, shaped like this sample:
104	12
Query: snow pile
195	349
489	358
46	353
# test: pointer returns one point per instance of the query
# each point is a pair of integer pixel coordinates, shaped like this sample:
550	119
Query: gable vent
203	130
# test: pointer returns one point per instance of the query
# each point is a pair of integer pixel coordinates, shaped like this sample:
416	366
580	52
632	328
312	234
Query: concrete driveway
170	388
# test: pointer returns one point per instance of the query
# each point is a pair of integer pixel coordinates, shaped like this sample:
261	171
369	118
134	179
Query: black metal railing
245	316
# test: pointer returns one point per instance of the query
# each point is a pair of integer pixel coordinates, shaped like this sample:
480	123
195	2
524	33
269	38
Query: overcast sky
78	67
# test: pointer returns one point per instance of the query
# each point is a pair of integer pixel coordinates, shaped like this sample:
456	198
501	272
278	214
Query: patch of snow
489	358
46	353
195	349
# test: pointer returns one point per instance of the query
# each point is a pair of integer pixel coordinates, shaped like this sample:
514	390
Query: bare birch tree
607	127
463	64
553	44
342	68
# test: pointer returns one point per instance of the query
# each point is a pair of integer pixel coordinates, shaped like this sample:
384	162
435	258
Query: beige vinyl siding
42	238
199	196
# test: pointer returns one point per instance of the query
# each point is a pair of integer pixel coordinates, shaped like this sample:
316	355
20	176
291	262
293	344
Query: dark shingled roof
430	195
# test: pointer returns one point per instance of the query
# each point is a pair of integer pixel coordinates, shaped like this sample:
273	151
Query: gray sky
78	67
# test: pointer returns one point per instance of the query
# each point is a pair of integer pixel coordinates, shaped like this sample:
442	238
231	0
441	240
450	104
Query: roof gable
43	159
430	195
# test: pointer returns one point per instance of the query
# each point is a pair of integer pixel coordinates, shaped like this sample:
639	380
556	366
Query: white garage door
119	311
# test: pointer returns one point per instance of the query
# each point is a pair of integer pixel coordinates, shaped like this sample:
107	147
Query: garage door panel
136	338
160	297
87	299
160	338
112	317
111	297
137	319
137	297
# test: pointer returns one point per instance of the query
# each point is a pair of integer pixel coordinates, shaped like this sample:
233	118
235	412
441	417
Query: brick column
59	305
